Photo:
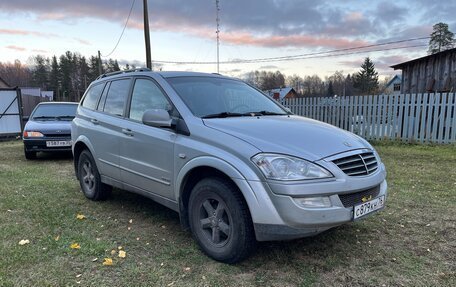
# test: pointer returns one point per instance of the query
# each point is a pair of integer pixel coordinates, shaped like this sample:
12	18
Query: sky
184	31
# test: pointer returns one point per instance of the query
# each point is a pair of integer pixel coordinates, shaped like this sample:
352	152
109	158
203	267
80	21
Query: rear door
107	122
147	153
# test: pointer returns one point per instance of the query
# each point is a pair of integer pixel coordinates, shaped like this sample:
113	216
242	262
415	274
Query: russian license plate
58	143
368	207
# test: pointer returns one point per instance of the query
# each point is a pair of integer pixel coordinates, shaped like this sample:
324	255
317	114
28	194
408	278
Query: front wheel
29	154
220	220
89	178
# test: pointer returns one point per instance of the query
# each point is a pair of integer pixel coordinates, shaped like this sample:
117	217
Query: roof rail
123	72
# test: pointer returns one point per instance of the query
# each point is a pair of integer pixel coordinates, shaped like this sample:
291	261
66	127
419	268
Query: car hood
292	135
49	127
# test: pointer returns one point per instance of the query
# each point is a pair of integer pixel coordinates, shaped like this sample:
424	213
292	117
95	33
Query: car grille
351	199
358	164
58	135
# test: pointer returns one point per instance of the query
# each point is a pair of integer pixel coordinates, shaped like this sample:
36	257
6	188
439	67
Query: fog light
321	201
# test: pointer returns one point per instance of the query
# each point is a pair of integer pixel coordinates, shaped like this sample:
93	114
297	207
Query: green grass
411	243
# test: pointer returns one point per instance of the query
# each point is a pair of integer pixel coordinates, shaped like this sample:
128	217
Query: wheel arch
203	167
82	143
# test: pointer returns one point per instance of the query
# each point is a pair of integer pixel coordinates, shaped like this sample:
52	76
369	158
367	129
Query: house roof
281	91
401	65
399	77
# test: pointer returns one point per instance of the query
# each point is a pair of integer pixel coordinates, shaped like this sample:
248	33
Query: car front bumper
39	144
297	221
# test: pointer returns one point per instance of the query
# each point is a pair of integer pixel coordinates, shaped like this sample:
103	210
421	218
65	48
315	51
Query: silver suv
237	166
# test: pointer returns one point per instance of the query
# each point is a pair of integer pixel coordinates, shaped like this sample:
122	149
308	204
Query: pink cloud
16	48
251	39
25	33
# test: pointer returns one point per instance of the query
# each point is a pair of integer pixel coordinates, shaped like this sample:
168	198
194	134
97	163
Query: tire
29	154
220	221
89	178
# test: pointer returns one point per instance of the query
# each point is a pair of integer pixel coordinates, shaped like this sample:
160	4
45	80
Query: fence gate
10	113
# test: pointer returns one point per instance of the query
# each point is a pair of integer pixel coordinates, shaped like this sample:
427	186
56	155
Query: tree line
362	83
68	76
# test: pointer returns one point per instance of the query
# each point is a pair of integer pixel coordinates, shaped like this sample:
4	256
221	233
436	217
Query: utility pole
217	10
146	35
100	70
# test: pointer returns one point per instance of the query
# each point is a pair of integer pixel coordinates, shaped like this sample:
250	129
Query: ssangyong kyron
237	166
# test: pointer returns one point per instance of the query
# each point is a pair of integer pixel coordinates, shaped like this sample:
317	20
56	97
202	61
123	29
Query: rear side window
92	96
116	97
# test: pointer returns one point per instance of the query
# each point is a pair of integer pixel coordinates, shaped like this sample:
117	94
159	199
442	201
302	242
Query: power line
307	55
123	30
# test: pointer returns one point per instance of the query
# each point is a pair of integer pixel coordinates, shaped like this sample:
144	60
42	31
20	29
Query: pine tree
441	38
65	70
40	73
330	92
366	81
92	72
54	78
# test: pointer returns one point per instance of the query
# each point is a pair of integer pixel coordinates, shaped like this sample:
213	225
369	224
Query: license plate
368	207
58	143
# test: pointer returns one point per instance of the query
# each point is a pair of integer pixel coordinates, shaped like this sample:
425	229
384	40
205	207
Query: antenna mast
217	10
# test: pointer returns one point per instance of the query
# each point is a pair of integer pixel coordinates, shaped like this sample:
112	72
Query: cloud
16	48
82	41
262	23
268	67
40	51
25	33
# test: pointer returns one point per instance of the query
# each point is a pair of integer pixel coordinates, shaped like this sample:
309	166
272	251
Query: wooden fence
423	118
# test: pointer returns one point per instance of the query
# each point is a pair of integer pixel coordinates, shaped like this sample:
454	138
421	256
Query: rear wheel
220	220
89	178
29	154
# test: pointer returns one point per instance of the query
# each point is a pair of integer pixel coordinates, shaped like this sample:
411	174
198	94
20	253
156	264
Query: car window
116	97
210	95
101	103
146	96
92	96
63	112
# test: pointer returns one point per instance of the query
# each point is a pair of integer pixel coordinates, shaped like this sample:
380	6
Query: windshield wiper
65	117
223	115
43	117
268	113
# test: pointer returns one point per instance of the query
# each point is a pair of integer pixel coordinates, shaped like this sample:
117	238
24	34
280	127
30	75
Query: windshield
64	112
210	97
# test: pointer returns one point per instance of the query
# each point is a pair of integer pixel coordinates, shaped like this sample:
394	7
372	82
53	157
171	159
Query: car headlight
283	167
33	135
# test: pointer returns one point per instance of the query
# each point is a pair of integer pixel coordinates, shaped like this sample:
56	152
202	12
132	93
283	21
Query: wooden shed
429	74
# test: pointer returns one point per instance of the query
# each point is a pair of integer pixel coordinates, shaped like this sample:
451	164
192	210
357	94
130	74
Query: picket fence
420	118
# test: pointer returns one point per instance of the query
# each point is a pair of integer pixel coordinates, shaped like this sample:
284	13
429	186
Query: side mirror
157	118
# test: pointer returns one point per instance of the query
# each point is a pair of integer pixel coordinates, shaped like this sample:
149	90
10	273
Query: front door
147	153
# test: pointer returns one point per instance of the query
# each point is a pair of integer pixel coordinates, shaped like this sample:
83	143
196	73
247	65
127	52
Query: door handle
94	121
127	132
